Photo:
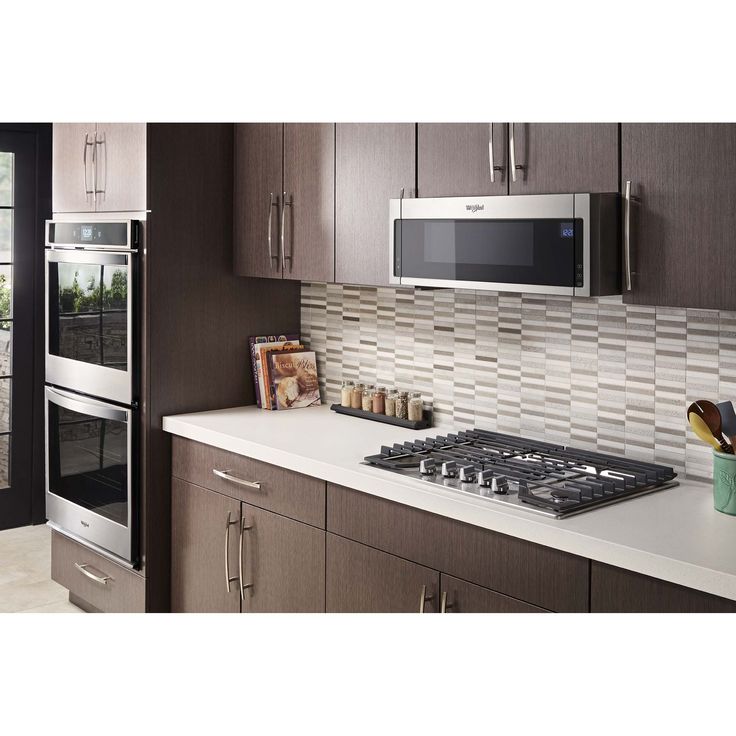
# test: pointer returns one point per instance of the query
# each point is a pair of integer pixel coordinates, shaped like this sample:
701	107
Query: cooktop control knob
449	469
500	486
467	474
485	477
427	467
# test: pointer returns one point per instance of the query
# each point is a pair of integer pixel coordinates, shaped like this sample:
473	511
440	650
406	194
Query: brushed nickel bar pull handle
271	205
286	203
444	605
85	570
87	144
492	167
241	563
228	579
627	234
94	168
101	142
424	598
227	475
512	154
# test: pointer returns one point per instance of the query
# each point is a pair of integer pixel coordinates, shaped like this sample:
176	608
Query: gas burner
538	476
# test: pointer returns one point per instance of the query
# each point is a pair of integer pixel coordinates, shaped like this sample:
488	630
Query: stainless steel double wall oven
92	381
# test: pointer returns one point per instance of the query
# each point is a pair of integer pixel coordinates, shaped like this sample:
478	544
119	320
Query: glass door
21	250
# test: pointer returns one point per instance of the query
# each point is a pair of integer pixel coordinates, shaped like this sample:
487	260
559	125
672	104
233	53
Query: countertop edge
372	481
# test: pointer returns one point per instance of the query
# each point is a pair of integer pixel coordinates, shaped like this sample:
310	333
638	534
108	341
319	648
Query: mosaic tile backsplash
592	373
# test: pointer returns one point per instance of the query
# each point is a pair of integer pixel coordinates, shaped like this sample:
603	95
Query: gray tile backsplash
593	373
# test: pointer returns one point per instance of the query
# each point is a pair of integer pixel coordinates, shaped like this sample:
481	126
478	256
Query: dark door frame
27	505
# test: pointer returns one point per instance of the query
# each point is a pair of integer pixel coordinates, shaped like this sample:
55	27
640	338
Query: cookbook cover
266	353
254	343
294	379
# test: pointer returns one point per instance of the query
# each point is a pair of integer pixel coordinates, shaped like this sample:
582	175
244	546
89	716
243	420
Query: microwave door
90	471
90	330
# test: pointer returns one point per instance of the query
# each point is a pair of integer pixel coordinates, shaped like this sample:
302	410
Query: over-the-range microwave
566	244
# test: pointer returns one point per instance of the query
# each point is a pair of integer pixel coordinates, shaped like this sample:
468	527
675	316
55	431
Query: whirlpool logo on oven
475	207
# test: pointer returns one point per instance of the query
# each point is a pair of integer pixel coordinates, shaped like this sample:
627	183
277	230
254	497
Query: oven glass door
544	252
90	322
90	469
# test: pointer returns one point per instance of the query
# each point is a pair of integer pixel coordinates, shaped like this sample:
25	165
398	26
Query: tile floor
25	573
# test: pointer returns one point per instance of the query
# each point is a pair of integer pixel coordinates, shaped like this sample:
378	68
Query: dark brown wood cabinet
373	163
614	590
559	158
454	159
205	529
683	219
459	596
283	564
365	580
284	200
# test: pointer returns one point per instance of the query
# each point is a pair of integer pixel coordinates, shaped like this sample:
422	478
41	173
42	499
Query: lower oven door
91	471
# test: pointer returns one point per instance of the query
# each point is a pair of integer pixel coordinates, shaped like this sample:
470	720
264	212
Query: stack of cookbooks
284	372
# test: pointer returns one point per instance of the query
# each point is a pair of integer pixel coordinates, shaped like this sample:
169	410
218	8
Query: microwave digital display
567	230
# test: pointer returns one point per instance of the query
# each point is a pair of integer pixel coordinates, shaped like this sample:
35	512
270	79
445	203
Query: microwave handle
86	406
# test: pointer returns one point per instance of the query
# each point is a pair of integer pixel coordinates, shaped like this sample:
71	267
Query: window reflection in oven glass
88	462
89	316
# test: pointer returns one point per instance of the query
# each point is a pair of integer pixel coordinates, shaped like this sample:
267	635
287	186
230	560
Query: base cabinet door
283	564
458	596
205	529
361	579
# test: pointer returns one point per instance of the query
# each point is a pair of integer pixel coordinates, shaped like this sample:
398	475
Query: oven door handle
86	406
73	255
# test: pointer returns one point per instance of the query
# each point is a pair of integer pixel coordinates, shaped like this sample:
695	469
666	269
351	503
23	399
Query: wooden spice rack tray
423	423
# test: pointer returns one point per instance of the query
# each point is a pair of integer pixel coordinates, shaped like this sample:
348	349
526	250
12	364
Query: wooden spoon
701	429
708	412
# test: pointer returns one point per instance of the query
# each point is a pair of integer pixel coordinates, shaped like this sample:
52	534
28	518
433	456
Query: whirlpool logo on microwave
474	207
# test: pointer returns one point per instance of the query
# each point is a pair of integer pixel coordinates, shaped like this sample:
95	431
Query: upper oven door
522	243
90	325
91	470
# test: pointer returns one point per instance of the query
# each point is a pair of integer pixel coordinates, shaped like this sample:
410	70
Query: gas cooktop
537	476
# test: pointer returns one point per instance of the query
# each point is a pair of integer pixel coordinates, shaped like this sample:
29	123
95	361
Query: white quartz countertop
673	534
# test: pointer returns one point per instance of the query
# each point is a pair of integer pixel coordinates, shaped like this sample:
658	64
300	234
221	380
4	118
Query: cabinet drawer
529	572
122	592
462	597
614	590
283	491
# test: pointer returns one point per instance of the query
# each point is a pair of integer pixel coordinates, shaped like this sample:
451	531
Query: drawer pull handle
228	579
85	570
241	562
424	598
228	475
444	605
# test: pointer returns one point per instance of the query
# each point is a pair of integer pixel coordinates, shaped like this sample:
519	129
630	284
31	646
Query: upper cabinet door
374	162
682	218
73	167
258	191
563	158
121	167
461	159
308	209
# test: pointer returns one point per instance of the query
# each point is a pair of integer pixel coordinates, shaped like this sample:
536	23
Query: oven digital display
87	232
567	230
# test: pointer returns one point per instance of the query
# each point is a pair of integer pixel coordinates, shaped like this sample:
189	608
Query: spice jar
391	403
346	394
402	405
416	407
379	400
367	404
356	397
